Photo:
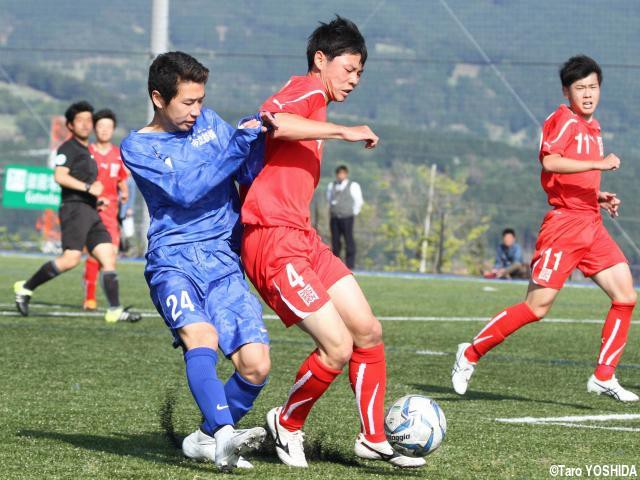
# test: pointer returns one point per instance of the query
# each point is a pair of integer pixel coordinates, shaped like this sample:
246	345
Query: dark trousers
343	227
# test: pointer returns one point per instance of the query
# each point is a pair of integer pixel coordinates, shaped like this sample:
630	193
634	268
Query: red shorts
291	269
109	217
569	240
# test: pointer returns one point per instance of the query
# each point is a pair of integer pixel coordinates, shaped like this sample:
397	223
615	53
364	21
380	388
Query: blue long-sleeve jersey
188	179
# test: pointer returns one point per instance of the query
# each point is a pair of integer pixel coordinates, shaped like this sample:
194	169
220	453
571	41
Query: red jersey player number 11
571	236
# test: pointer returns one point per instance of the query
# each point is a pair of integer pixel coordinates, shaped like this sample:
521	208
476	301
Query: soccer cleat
289	445
90	305
231	444
462	370
121	314
383	451
23	296
202	447
612	388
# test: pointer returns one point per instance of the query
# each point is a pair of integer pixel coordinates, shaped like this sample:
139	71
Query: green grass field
83	399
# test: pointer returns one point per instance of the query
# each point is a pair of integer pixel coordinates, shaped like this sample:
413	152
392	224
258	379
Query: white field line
432	353
594	427
269	316
575	421
574	418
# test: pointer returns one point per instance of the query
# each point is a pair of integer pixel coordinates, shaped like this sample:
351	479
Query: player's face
340	75
584	95
341	175
104	130
181	112
82	125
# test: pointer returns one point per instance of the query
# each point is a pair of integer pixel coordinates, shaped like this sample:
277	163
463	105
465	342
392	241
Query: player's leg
607	266
181	306
367	371
562	243
536	305
243	338
316	373
92	266
100	245
90	278
24	289
74	224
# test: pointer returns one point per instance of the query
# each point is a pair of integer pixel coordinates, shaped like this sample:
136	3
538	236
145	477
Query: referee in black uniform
76	172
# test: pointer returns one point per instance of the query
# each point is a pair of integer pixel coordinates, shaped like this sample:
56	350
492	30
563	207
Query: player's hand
103	203
124	196
269	121
610	202
96	189
610	162
361	133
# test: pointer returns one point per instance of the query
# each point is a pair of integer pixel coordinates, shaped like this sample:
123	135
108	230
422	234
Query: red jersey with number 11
283	191
571	136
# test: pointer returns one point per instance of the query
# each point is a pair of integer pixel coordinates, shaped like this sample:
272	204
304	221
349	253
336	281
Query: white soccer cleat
611	388
289	445
231	444
383	451
201	447
462	370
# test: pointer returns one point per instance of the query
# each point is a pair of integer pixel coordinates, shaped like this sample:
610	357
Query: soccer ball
415	425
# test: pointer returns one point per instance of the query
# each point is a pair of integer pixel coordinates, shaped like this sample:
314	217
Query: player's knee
256	372
629	297
540	310
342	354
368	332
199	335
68	261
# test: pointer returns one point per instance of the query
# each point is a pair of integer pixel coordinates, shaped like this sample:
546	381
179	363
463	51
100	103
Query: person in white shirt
345	202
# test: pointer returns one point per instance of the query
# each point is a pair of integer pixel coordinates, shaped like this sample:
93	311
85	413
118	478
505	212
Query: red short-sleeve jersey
110	171
571	136
283	191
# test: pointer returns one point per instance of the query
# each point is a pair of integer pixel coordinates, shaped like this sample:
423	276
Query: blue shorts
204	282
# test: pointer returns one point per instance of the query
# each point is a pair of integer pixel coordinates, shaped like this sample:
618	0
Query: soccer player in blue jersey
185	163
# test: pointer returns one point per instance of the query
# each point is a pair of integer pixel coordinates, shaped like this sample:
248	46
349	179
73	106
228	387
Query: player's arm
292	127
186	187
123	190
63	177
556	163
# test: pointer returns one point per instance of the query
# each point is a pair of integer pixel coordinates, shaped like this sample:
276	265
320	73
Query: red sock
368	377
312	380
499	328
614	338
91	269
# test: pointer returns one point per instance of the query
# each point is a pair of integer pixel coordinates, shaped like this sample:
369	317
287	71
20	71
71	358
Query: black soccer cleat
23	297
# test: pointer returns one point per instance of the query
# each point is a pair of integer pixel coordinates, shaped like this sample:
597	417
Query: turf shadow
315	450
146	446
472	395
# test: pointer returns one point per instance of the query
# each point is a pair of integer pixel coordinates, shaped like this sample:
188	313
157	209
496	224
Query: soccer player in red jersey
294	271
572	234
113	175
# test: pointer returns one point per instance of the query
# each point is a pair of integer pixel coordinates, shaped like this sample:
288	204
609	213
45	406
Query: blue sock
206	388
241	394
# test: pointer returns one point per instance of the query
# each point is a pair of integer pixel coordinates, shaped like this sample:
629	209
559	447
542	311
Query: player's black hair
336	38
342	168
168	69
508	231
76	108
577	68
105	113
